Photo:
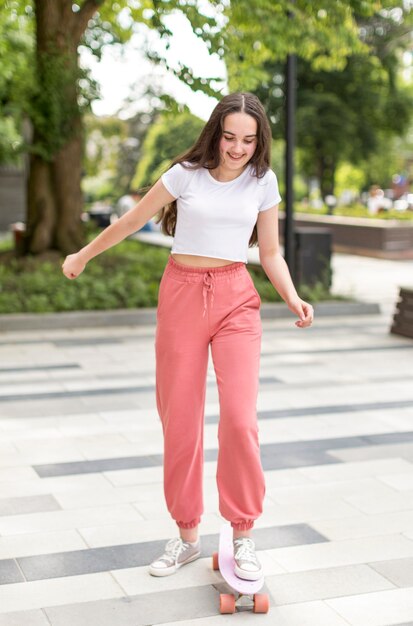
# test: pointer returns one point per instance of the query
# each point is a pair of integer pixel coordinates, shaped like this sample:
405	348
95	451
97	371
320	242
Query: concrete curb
147	316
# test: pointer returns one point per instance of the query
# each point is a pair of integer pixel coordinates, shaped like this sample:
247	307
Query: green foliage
262	32
348	114
356	210
168	137
52	109
104	137
349	177
16	59
125	276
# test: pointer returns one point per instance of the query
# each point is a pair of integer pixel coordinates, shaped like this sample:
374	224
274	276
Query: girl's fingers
306	315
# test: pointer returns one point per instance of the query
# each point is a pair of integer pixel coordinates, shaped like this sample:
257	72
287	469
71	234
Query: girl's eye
231	138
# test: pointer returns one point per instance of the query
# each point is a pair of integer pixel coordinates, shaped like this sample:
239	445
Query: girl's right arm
156	198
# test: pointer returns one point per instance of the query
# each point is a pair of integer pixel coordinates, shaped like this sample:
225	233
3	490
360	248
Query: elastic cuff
190	524
244	525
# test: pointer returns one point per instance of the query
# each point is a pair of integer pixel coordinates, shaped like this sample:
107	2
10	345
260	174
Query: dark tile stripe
143	610
326	409
73	341
287	454
86	341
39	368
10	572
341	350
100	465
49	395
105	559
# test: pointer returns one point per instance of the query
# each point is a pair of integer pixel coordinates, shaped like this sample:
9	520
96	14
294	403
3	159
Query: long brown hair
205	151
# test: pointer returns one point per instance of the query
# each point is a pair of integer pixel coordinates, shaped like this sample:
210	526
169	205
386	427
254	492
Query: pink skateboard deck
225	562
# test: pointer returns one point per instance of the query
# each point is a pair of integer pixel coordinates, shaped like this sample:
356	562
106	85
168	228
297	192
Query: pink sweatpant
198	307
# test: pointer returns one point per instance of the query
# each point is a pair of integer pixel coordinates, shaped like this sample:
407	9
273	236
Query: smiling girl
216	199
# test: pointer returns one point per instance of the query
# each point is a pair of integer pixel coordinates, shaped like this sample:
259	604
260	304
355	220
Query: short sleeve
271	195
175	179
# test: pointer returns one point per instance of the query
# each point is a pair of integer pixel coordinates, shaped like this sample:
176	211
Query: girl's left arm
276	268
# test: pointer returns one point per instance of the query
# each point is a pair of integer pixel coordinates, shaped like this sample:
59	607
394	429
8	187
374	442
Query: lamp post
289	237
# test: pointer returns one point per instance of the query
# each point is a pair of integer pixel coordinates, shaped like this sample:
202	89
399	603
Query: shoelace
245	549
173	549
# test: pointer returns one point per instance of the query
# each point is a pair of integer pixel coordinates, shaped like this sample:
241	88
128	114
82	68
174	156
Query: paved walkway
81	500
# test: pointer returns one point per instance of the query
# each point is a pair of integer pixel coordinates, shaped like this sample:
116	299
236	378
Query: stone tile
29	504
60	484
332	490
101	496
154	608
375	609
145	475
398	571
401	450
28	544
397	501
285	477
304	614
24	618
9	572
82	562
307	511
356	469
347	552
137	581
66	520
101	465
320	584
401	482
57	592
16	473
363	525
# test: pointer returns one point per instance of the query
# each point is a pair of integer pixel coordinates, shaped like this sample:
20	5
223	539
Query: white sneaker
177	553
247	565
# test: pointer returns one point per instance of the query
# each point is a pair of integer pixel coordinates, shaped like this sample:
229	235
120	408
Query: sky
120	70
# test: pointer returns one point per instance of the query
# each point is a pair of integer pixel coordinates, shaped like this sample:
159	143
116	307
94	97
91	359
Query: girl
216	199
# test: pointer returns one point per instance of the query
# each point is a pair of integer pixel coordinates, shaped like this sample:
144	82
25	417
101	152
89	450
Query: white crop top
216	218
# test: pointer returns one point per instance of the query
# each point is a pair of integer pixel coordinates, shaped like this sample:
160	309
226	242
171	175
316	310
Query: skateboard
224	562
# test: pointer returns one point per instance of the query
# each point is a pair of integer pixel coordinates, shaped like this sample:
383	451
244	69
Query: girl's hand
304	311
73	265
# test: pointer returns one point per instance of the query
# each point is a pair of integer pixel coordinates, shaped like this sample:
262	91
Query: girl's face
238	141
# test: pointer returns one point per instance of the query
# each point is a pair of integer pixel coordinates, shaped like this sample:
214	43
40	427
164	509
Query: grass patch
357	210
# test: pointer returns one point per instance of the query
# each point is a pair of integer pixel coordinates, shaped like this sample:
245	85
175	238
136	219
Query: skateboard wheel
261	603
215	564
226	603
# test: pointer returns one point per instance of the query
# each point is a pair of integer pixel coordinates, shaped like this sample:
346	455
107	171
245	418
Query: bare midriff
200	261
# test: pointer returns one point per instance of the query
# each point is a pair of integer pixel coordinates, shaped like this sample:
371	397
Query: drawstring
209	285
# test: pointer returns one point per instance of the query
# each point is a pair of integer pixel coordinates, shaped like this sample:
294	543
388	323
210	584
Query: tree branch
87	11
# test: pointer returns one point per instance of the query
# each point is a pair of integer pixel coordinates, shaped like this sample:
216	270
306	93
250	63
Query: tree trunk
326	170
55	201
41	214
54	181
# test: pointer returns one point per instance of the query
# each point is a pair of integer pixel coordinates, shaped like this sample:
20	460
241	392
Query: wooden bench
403	316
